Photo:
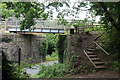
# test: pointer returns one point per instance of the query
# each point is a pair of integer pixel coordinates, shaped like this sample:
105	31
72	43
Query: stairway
90	52
94	59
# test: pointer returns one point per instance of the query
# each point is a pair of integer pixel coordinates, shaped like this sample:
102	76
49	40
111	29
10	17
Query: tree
4	11
74	12
29	11
110	17
109	12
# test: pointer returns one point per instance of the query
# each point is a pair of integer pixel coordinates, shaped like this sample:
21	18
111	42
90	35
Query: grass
35	76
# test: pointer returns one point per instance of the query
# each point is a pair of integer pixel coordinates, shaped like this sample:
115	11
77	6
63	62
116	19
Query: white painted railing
12	22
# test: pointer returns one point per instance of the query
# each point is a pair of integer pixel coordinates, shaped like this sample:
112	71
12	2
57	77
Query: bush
97	28
87	29
114	65
53	57
51	41
51	71
11	71
49	45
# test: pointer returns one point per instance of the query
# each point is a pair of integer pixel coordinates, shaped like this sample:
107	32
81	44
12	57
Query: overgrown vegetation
51	71
52	57
43	50
111	20
82	69
5	39
11	71
61	46
51	42
49	47
114	65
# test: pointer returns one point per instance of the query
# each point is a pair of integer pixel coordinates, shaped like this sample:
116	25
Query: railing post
5	23
16	26
19	56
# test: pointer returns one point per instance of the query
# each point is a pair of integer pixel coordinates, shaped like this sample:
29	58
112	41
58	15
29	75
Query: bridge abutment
29	44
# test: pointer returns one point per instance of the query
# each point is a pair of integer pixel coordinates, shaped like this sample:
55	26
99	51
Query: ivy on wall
61	47
5	39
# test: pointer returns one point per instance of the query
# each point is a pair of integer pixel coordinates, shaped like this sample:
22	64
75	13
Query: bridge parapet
50	26
39	23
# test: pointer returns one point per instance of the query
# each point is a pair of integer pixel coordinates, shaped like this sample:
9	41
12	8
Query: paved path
36	69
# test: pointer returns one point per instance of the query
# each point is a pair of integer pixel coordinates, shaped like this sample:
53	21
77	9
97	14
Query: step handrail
101	48
89	58
97	38
100	36
94	41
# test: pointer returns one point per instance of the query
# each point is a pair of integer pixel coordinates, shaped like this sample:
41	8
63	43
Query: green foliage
114	65
43	48
49	47
61	46
51	42
94	28
113	40
4	11
52	71
53	57
81	69
19	72
55	4
30	58
80	24
27	65
87	29
12	71
98	29
108	12
62	21
111	20
5	39
28	11
113	47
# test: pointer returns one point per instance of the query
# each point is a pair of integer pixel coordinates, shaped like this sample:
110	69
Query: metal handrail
99	36
101	47
94	41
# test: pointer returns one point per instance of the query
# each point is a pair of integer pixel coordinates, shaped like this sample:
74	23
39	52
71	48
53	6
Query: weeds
53	57
114	65
51	71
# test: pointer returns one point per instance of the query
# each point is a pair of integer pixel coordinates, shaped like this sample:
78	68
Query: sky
82	15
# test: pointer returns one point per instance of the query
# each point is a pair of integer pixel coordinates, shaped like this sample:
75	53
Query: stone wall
29	45
76	43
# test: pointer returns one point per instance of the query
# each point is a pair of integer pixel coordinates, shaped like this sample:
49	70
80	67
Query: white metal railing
12	22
